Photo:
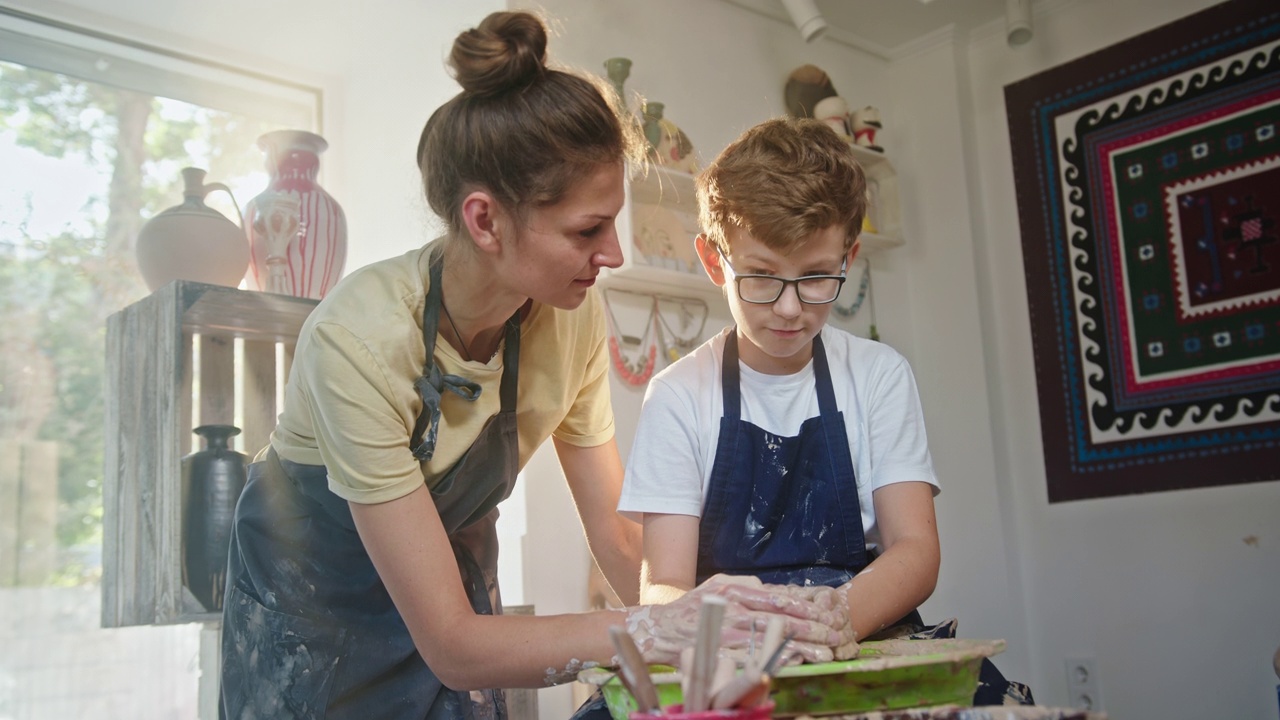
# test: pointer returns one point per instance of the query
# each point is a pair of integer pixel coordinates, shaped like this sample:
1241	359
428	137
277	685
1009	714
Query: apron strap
822	377
510	363
729	378
432	383
731	387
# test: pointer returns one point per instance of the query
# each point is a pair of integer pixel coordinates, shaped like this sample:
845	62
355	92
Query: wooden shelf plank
150	402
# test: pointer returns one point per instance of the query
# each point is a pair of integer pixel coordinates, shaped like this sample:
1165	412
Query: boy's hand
836	602
816	619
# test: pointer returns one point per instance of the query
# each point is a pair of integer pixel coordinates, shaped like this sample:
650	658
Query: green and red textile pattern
1148	180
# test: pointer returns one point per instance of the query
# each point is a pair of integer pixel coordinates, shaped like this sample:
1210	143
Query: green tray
886	675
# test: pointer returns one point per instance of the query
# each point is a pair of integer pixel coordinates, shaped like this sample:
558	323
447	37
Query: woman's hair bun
507	50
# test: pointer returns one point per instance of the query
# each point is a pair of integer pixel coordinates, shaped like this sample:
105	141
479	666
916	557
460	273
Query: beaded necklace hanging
675	345
865	294
871	293
856	305
637	370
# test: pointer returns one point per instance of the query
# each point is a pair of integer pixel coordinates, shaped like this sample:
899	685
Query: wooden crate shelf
153	400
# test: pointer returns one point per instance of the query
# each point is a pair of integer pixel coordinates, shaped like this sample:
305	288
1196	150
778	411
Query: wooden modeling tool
752	687
633	671
772	639
705	651
725	673
745	690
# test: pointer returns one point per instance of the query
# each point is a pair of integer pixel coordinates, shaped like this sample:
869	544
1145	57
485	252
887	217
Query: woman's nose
610	253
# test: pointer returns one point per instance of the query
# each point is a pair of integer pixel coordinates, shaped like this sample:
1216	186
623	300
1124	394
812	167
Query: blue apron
308	629
784	509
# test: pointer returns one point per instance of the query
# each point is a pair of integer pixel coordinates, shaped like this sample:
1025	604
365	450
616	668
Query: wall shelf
659	221
882	206
656	228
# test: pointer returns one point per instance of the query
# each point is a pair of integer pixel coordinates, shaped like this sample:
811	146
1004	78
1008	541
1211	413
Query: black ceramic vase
211	480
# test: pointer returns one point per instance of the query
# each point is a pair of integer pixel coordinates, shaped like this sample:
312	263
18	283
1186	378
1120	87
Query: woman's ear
485	220
709	254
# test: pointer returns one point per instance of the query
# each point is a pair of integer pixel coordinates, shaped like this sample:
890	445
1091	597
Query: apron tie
429	387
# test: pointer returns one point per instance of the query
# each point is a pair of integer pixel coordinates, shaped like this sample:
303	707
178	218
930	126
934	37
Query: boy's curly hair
782	181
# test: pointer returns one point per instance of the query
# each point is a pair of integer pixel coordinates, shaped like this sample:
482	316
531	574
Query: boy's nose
788	304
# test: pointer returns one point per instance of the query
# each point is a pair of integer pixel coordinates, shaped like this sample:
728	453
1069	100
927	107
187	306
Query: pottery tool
726	671
633	671
770	644
746	690
705	651
752	687
771	663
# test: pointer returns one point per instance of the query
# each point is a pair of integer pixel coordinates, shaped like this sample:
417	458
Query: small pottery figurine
835	113
865	123
807	85
670	146
618	69
192	241
652	114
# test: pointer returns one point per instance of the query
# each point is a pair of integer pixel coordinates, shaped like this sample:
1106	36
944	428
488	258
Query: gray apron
308	629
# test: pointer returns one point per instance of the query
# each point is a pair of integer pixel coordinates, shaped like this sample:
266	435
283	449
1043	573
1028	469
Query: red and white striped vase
298	231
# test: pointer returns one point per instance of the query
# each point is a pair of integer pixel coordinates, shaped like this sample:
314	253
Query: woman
363	566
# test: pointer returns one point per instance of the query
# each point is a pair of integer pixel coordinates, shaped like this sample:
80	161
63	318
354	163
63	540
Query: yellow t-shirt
350	404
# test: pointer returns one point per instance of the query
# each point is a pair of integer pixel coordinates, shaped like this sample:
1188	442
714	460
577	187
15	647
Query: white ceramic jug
192	241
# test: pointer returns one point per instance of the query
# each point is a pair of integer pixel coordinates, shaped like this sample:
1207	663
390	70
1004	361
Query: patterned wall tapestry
1148	185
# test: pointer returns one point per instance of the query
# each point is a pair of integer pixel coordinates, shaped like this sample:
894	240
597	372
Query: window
93	132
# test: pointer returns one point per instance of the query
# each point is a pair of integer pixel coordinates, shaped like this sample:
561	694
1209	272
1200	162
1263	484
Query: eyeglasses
766	289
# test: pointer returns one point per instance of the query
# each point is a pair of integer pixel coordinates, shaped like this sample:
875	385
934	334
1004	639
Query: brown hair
782	181
519	129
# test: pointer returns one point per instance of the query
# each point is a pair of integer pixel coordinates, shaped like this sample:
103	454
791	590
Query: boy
784	448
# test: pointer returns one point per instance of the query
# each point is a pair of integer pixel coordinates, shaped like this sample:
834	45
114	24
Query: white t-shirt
669	469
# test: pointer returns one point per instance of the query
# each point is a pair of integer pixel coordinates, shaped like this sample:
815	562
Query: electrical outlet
1083	689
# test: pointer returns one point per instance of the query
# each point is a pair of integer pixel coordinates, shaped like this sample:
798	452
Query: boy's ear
853	251
710	258
484	219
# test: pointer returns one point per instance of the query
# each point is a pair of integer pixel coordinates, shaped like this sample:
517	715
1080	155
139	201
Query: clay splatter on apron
784	509
309	629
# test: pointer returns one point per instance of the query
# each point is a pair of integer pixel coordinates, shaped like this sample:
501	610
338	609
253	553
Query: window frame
54	45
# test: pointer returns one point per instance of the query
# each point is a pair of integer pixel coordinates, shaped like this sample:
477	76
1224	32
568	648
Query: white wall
934	277
1162	589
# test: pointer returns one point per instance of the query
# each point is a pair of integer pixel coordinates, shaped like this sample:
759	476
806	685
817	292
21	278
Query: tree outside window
83	164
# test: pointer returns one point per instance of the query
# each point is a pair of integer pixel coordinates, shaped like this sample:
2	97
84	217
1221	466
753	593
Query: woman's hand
816	619
836	601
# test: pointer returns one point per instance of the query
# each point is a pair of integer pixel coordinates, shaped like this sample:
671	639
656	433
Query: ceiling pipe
1017	22
807	18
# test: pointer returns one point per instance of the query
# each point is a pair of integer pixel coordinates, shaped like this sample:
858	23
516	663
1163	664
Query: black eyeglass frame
738	278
